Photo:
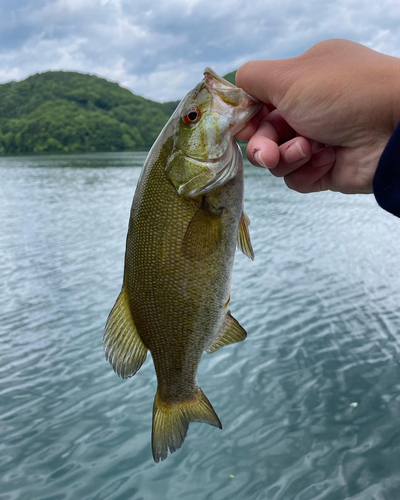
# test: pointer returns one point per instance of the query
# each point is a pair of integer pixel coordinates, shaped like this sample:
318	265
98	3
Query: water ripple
309	403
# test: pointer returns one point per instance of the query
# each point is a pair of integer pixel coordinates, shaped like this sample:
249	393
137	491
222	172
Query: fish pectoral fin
122	344
171	422
243	240
203	234
230	333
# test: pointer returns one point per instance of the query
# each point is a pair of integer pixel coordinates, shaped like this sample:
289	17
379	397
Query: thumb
267	80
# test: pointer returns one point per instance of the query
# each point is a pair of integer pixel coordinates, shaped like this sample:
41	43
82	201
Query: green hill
60	111
65	111
231	77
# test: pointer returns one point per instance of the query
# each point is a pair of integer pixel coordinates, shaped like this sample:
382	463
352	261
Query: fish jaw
204	156
242	105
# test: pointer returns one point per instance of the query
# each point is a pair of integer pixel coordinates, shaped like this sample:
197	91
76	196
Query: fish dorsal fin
243	239
230	333
203	234
123	347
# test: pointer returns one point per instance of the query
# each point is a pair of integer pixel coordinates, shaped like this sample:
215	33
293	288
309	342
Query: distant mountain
231	77
66	111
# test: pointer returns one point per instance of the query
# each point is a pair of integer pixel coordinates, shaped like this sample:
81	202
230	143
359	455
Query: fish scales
185	222
172	296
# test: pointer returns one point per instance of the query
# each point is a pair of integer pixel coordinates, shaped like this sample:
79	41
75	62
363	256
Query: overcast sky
159	49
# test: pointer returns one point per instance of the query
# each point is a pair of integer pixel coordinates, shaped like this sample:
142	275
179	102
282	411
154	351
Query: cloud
159	49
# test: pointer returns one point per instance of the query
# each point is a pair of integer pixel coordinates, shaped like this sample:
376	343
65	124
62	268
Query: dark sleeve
386	183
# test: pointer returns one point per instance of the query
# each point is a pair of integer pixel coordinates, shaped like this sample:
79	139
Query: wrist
395	93
386	182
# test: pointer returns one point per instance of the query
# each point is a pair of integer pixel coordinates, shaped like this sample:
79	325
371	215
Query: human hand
329	114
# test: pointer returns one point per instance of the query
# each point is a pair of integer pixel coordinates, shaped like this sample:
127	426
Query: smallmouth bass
186	220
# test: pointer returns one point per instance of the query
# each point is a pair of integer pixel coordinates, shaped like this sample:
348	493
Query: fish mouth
242	106
212	79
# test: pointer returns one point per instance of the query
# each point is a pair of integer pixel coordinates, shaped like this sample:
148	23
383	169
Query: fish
185	223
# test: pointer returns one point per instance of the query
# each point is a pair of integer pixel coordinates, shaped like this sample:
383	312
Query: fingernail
324	158
259	160
294	153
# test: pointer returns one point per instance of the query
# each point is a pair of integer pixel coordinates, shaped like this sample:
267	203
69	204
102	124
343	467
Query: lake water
310	402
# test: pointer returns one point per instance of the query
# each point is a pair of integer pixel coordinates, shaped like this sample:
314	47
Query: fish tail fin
171	422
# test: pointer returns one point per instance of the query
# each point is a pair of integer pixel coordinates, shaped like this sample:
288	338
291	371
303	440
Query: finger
248	130
295	150
262	149
263	152
316	146
293	154
266	80
264	112
312	176
283	129
252	125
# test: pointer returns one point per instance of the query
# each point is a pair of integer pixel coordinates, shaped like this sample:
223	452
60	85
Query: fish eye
191	116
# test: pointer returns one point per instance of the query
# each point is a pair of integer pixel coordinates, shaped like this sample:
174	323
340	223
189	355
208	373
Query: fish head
205	155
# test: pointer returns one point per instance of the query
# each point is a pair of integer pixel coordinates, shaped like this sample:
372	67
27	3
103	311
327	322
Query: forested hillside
231	77
65	111
60	111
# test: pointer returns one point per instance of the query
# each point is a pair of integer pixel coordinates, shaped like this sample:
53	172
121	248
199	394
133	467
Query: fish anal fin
122	344
171	422
243	240
203	234
231	332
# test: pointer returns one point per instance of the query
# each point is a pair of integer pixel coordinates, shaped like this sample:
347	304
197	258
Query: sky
159	49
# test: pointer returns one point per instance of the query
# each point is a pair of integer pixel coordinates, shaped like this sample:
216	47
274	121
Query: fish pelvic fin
123	346
243	239
231	332
171	422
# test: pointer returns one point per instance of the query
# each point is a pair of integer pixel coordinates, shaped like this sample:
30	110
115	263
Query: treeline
65	111
61	111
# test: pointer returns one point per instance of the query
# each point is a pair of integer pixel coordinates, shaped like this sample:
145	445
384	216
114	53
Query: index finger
252	125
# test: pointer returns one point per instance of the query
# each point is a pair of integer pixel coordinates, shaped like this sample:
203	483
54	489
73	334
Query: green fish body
186	220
